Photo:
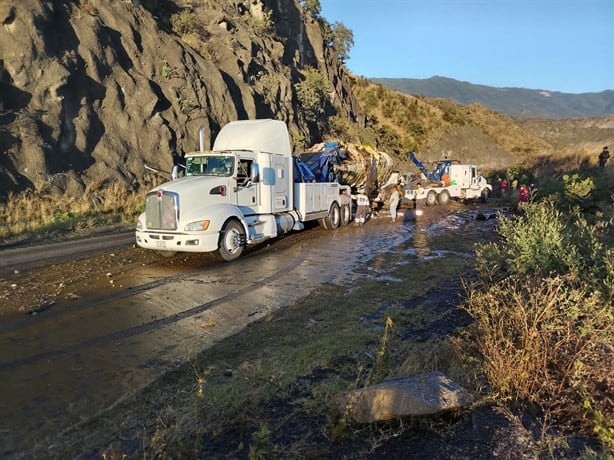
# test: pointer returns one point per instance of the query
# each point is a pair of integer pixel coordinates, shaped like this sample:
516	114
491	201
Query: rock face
92	90
417	395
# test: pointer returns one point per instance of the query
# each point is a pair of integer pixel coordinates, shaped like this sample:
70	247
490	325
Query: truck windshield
209	166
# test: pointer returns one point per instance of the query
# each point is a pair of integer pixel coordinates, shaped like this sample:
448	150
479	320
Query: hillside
573	136
520	102
92	91
438	128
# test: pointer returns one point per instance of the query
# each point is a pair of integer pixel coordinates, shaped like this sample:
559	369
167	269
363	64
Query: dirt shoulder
266	392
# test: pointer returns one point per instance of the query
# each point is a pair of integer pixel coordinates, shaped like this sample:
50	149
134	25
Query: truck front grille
162	210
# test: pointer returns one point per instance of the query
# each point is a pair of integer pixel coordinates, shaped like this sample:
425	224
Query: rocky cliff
92	90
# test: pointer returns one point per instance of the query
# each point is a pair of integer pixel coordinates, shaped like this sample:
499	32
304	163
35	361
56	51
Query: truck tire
232	241
484	195
443	198
346	214
167	254
333	220
431	198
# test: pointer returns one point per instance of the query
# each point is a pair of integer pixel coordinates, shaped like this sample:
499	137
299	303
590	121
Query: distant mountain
520	102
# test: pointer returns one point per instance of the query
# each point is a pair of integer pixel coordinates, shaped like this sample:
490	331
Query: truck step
256	237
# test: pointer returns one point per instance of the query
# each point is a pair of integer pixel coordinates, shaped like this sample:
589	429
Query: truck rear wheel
232	241
443	197
333	220
431	198
346	214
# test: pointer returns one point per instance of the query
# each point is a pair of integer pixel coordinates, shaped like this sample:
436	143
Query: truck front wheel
431	198
484	195
232	241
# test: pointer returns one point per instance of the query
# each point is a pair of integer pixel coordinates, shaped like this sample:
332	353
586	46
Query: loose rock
395	398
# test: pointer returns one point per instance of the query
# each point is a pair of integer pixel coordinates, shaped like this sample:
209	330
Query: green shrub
183	22
313	94
340	127
534	242
368	136
544	241
267	85
577	188
543	315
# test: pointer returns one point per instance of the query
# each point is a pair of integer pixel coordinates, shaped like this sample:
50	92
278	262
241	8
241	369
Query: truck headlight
139	224
198	226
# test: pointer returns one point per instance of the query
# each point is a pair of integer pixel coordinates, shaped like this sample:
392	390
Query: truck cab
239	193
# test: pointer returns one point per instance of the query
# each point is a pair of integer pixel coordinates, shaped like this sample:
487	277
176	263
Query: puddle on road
65	367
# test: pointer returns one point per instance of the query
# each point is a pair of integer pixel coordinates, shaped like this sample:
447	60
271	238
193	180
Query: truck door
475	183
281	194
247	192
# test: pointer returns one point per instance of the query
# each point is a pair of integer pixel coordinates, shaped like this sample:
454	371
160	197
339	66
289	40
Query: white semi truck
247	189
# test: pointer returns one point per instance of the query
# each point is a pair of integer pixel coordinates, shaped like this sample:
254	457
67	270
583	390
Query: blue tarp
321	163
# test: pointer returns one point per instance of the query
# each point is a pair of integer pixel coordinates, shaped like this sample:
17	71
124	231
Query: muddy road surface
80	334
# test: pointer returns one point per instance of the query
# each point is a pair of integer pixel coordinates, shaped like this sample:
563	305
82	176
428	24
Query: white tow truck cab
240	193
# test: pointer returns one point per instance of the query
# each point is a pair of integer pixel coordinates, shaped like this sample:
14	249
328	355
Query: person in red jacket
523	197
504	187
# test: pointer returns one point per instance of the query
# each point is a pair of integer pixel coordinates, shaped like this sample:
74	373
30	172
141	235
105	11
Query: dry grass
35	214
544	320
548	344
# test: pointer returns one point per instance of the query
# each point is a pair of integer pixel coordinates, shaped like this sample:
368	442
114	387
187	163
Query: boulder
424	394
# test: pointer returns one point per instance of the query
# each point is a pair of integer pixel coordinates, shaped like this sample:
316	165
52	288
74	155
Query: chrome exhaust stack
201	138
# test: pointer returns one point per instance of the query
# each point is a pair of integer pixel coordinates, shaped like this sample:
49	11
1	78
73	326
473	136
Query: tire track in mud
122	334
67	365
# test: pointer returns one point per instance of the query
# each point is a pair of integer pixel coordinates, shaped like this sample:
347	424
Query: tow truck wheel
346	214
443	197
232	241
333	220
431	198
484	195
167	254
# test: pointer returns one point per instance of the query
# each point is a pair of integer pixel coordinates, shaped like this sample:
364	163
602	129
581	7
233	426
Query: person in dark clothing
604	156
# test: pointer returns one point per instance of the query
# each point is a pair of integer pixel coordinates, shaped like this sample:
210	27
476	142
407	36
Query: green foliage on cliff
313	94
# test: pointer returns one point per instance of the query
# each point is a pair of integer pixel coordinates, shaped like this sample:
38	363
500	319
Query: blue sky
555	45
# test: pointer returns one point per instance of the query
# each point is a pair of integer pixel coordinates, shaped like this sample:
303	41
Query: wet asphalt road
97	344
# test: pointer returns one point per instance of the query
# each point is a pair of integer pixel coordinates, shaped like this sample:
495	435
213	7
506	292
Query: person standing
362	207
504	187
523	197
603	157
395	197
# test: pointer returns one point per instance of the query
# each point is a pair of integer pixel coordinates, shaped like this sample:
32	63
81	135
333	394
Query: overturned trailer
359	166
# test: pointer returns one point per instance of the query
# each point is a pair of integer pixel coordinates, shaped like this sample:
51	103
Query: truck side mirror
175	172
254	173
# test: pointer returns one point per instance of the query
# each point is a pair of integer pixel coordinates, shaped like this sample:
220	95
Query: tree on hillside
312	8
339	38
313	93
